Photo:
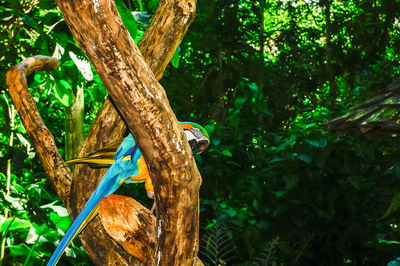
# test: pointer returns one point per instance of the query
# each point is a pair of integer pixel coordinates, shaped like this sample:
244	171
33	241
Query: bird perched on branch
127	165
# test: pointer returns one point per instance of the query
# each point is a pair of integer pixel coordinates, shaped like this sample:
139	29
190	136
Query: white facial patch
189	135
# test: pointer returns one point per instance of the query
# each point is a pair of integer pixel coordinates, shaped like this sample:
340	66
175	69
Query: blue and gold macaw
127	166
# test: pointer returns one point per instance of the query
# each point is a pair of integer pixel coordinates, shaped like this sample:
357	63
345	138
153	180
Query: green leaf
304	157
291	180
153	4
4	234
227	153
23	250
60	210
14	224
19	250
139	36
62	222
47	4
210	128
40	77
140	5
63	92
127	18
97	93
30	22
310	125
198	158
210	225
231	213
394	206
239	101
318	143
215	141
42	229
253	87
4	114
175	59
68	63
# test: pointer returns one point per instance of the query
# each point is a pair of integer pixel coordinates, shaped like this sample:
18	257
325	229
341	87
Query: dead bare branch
39	134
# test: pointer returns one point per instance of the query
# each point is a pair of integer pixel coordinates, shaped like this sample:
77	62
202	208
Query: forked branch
144	106
159	43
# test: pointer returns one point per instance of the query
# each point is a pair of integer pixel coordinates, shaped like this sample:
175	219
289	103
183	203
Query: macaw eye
193	144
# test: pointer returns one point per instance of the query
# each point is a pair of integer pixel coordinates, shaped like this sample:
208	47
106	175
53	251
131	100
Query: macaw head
196	135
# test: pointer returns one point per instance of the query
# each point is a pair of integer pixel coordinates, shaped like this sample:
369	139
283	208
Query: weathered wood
145	108
101	249
165	32
108	125
130	224
169	26
39	134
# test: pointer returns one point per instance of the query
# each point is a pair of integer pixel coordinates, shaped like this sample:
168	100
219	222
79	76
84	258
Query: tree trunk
130	223
145	108
172	167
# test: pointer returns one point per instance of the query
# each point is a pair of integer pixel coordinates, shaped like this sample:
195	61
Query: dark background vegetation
264	77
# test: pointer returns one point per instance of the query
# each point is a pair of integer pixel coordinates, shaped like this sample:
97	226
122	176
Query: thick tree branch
132	226
165	32
145	108
160	41
39	134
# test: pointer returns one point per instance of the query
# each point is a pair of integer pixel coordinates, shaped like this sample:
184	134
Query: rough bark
40	136
132	222
127	221
141	222
109	47
108	126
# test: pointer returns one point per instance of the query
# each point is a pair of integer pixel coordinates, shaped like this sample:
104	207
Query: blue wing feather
118	173
125	148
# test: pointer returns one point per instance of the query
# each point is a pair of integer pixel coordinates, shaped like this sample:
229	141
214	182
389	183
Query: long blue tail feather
86	215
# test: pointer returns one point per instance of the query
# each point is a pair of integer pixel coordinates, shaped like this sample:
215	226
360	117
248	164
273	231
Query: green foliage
267	254
127	18
216	247
30	230
273	169
255	73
